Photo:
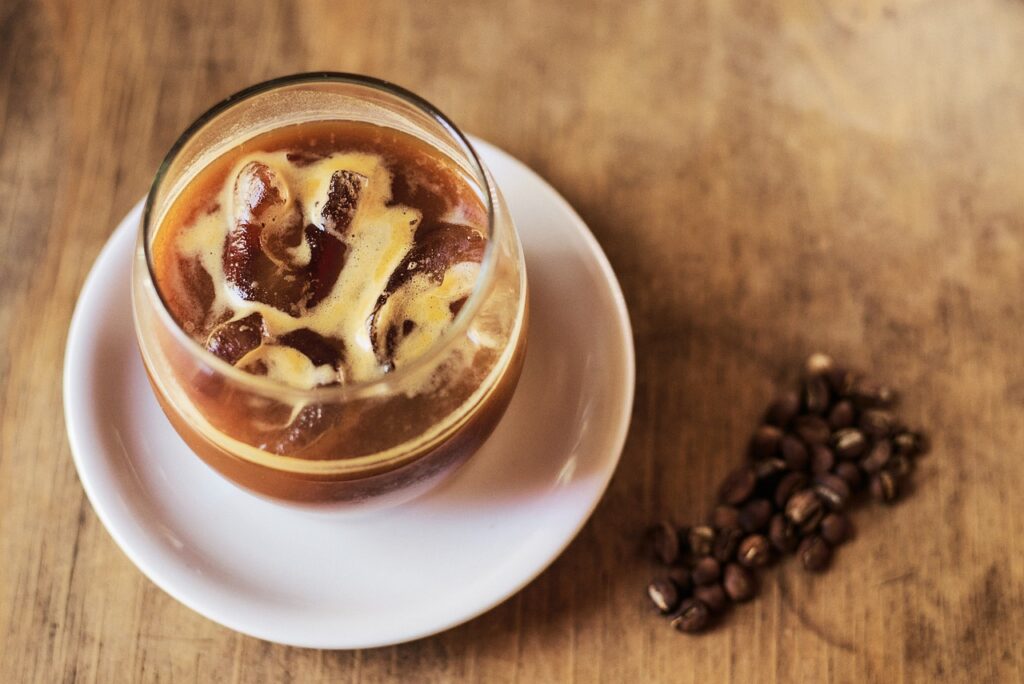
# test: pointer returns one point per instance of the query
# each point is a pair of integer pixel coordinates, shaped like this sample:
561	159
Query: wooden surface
767	177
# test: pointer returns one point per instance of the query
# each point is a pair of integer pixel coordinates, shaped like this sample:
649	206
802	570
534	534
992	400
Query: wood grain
768	177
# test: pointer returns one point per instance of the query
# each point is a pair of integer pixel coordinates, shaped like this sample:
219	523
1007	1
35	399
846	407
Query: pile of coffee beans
815	451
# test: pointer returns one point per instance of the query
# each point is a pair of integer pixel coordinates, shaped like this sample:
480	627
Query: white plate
326	581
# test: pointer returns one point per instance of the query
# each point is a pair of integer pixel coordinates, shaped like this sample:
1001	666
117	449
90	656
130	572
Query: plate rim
76	430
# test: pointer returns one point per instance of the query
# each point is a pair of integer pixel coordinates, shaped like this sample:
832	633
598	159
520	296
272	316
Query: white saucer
325	581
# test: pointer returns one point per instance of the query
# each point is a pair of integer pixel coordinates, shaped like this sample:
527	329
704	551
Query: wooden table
767	177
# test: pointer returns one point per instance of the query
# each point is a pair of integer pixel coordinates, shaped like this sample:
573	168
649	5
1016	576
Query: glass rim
352	390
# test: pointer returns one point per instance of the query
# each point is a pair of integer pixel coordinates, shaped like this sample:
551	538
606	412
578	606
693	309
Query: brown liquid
420	469
421	180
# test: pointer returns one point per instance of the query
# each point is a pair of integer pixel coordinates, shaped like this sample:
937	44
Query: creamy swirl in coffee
315	263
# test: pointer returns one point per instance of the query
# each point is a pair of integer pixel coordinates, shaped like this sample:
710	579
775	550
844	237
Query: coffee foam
377	242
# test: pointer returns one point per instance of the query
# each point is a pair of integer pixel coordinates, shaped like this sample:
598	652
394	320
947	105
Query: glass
383	440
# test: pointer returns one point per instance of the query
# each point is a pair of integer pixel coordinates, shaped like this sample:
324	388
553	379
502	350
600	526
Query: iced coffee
330	308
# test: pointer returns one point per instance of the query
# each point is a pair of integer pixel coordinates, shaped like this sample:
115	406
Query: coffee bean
701	539
755	514
664	595
681	578
768	468
691	616
713	596
725	516
802	506
876	423
765	442
849	443
877	457
833	490
814	553
842	381
851	473
706	571
909	443
866	395
783	410
739	583
754	552
900	466
819	364
812	429
738	486
804	509
727	540
782	534
835	528
664	539
794	453
884	487
815	395
822	459
790	483
841	416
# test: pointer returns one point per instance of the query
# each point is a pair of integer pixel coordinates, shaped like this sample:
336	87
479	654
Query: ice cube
342	200
327	256
308	425
263	201
436	249
236	338
320	350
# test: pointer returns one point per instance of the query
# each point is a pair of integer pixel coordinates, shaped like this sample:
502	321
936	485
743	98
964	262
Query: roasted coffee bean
738	486
842	381
739	583
665	542
783	410
664	595
849	443
812	429
681	578
876	423
713	596
755	551
866	395
900	466
790	483
768	468
691	616
755	514
833	490
725	517
815	395
804	508
765	442
794	453
814	553
851	473
884	487
727	540
835	528
877	457
841	416
701	539
822	459
783	534
909	443
706	571
819	364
